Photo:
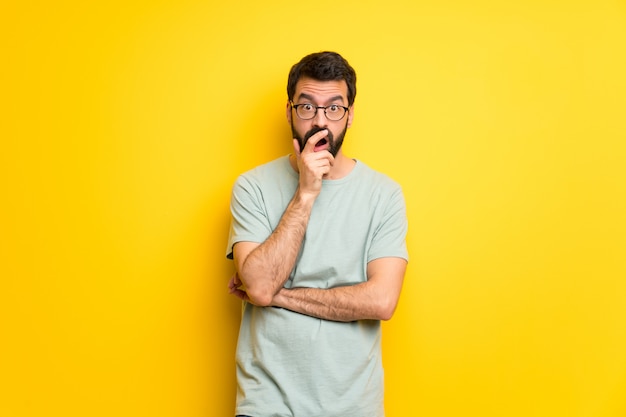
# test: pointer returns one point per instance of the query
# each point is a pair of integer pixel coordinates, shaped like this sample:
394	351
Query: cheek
302	126
297	130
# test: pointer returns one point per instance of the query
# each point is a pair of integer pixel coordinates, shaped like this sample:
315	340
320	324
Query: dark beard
333	145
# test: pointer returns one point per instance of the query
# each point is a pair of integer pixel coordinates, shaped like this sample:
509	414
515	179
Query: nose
320	118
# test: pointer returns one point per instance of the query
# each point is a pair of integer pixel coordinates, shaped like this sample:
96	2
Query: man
318	242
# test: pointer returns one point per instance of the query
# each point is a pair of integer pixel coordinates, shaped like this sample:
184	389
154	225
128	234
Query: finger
296	146
321	158
310	144
235	287
240	294
234	282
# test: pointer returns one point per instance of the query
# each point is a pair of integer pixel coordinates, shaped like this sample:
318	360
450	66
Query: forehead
321	90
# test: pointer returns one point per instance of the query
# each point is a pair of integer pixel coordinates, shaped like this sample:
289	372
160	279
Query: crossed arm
375	299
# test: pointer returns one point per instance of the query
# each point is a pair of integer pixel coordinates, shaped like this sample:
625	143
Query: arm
375	299
262	269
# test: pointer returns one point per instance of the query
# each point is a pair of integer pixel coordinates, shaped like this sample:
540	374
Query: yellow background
124	125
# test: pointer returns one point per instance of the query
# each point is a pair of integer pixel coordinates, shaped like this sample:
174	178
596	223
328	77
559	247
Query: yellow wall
124	124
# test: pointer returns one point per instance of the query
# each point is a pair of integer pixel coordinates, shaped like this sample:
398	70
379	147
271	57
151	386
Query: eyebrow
309	97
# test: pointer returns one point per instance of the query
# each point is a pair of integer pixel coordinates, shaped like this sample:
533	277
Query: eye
333	108
307	107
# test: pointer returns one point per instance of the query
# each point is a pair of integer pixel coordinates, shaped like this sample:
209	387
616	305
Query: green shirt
290	364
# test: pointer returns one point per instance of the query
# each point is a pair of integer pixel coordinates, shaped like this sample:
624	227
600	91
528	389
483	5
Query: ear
350	115
288	112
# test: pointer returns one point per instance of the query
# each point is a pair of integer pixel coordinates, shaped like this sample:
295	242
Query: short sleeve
249	220
389	239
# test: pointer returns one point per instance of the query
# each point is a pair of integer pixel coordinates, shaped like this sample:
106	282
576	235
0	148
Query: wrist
277	300
305	198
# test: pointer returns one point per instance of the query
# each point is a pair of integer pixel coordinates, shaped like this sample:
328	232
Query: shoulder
269	181
266	173
373	190
376	179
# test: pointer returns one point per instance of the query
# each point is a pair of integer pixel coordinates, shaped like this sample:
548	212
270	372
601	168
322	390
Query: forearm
374	299
350	303
266	268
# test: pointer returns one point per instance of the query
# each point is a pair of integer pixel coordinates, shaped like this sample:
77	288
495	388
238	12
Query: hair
323	66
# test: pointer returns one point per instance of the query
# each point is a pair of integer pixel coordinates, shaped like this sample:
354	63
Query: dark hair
323	66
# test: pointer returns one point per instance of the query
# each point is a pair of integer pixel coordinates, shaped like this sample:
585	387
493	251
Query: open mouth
321	145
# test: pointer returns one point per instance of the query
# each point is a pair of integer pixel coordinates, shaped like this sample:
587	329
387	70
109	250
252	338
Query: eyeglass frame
295	107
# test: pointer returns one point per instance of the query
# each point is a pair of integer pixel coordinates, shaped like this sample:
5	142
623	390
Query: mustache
314	131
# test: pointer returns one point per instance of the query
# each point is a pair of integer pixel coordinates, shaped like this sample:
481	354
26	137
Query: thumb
296	146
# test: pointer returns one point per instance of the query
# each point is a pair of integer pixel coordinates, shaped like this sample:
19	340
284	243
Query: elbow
386	310
385	315
257	293
259	296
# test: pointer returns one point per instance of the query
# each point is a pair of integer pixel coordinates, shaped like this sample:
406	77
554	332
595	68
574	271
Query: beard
334	144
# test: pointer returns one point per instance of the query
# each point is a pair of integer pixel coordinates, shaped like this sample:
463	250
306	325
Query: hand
235	287
313	166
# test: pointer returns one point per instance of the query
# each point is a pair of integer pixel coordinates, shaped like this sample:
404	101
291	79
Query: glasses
307	111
